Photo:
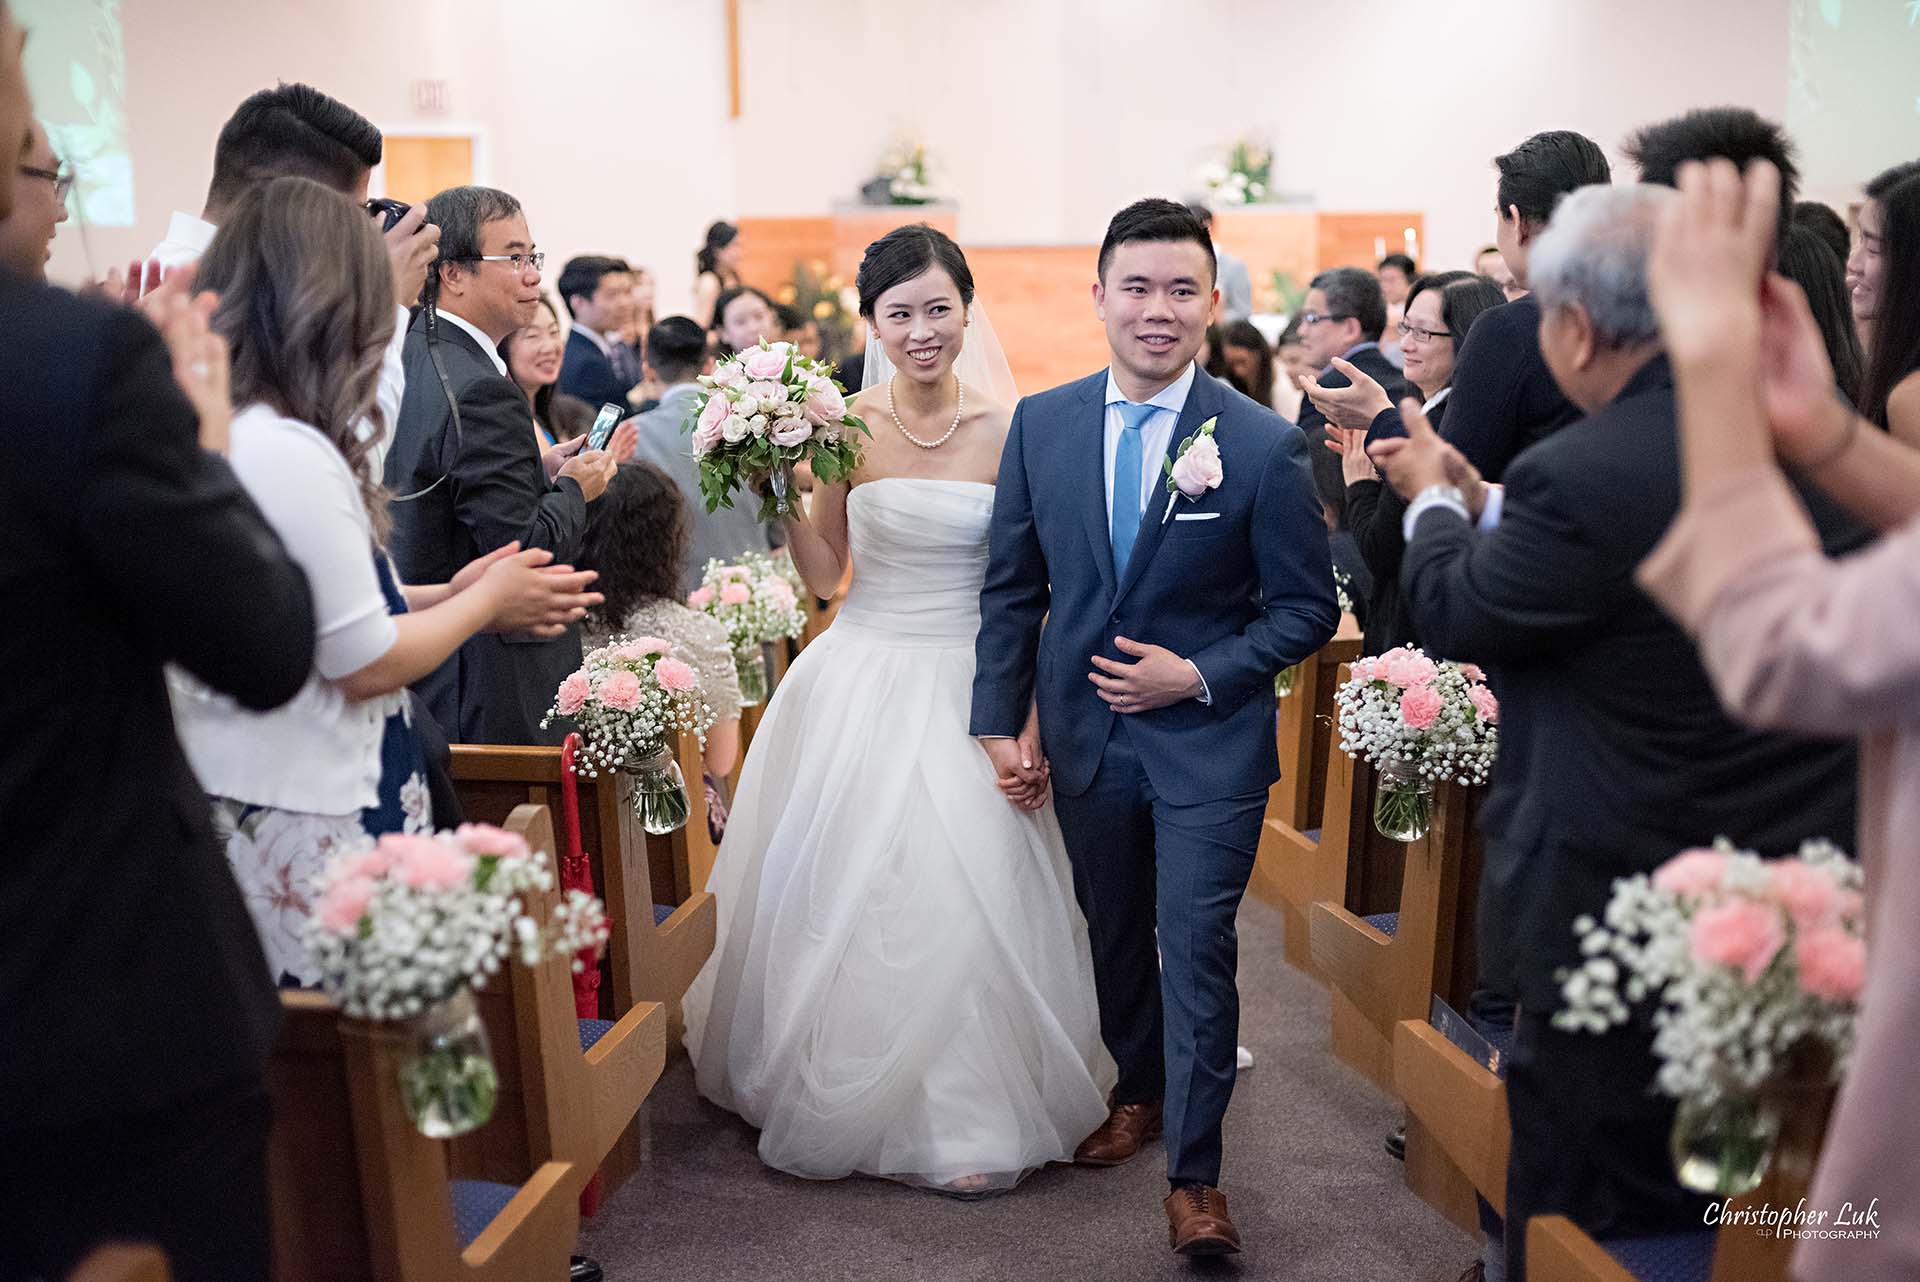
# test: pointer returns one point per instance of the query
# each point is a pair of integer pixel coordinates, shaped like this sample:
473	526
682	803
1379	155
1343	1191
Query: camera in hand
388	211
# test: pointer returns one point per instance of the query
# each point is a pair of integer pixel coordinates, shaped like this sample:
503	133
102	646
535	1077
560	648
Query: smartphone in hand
602	429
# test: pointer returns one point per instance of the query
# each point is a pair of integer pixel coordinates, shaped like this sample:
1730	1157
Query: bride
900	985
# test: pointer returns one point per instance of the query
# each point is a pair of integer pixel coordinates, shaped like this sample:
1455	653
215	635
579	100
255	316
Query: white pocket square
1196	516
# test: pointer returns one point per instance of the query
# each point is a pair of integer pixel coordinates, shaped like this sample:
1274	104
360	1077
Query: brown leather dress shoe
1198	1223
1125	1132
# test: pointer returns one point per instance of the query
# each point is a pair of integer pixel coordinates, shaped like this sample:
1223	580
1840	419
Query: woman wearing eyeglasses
1440	310
39	206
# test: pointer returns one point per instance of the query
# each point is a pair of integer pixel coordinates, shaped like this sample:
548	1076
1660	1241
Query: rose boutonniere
1195	469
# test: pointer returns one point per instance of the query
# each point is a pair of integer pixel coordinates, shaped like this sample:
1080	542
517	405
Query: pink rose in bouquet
1408	668
621	691
735	594
427	864
486	839
675	677
700	598
791	431
764	363
1742	934
1809	895
1833	963
1420	707
1692	872
344	904
573	694
1199	469
824	402
708	435
768	393
715	413
1485	704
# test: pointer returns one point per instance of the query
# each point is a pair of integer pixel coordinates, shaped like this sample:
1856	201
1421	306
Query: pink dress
1794	641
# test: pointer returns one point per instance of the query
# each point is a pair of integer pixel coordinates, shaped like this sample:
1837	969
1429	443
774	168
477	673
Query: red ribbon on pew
576	873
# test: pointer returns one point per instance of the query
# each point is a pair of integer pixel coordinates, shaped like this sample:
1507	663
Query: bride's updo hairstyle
907	252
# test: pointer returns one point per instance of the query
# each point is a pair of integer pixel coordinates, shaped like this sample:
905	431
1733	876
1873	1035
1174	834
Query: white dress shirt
1155	435
487	345
187	241
319	753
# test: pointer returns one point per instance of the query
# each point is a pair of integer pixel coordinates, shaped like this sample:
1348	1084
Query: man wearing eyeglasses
39	206
1344	315
466	473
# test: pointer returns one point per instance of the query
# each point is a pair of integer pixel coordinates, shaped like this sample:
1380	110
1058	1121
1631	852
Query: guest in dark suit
136	1011
1504	398
1615	753
599	367
1343	316
468	480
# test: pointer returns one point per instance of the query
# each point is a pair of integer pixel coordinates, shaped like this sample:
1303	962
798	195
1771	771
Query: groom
1146	621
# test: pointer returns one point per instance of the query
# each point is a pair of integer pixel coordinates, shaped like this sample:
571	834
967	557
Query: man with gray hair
1615	754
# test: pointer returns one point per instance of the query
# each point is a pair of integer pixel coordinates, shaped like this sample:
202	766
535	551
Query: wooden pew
647	960
358	1195
1559	1251
1456	1116
568	1088
1347	862
122	1263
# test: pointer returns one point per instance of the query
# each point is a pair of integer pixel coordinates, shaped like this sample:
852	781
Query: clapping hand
531	594
1711	251
1420	460
1350	443
1355	405
199	355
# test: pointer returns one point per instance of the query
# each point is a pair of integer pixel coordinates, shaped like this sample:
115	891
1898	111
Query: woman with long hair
306	306
1884	274
716	270
1809	262
1249	360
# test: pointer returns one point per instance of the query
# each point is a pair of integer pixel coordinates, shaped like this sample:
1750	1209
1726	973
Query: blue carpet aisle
1315	1194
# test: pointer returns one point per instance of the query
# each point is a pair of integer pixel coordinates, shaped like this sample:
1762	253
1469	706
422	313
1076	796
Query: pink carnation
780	593
1833	963
427	864
1691	872
737	573
572	695
485	839
621	691
1407	668
700	598
641	647
1367	669
1485	704
1420	706
372	862
344	904
1808	894
1743	934
1472	672
735	594
675	676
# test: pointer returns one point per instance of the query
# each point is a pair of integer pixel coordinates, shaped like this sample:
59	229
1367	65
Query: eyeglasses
1424	335
522	263
1314	318
61	179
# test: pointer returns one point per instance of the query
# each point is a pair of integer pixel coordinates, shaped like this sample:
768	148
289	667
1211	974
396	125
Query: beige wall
608	116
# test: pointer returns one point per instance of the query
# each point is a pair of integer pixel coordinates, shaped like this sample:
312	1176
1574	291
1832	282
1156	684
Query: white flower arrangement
1244	176
909	174
1749	958
763	411
753	597
411	920
1438	718
630	699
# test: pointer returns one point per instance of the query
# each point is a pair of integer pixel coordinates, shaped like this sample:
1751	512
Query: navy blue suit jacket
1242	595
586	372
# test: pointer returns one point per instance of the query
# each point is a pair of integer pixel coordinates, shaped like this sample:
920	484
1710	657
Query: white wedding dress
901	984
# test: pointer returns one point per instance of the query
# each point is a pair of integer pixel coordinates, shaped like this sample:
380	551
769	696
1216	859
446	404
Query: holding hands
1020	769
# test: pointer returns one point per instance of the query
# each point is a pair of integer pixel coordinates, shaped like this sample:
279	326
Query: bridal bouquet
757	603
764	411
1757	966
1421	723
407	928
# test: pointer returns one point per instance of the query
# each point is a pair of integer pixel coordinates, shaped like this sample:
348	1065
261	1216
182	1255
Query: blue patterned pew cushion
661	912
475	1203
591	1031
1313	835
1387	924
1670	1257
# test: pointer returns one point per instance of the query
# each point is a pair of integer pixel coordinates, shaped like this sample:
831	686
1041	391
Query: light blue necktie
1126	482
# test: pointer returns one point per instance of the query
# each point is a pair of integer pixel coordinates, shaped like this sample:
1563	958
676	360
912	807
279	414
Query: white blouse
319	753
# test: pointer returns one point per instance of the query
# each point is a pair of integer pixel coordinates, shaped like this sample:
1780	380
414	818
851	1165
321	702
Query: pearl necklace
960	404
